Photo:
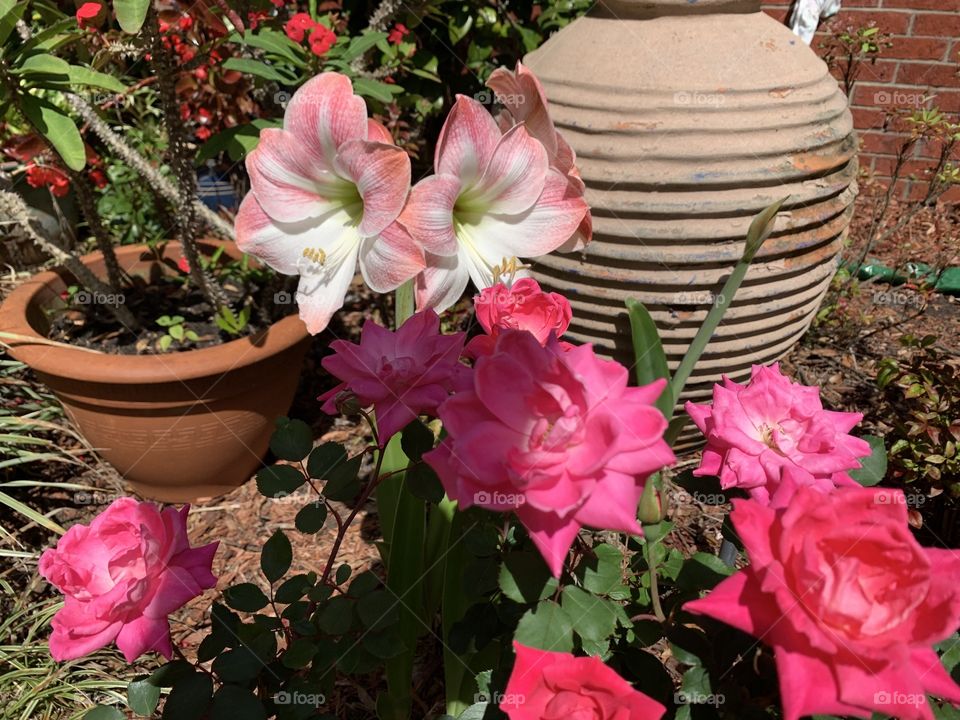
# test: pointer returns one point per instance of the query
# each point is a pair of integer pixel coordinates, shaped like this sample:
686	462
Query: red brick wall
924	60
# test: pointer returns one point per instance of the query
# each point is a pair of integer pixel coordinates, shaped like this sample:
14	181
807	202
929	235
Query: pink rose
555	436
403	374
758	432
558	686
849	600
121	576
524	306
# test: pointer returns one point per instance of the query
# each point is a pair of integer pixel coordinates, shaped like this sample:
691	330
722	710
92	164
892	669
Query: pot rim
114	369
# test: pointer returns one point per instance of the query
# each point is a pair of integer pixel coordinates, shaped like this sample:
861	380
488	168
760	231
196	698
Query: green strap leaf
376	90
651	362
57	128
93	78
10	12
131	14
260	69
46	66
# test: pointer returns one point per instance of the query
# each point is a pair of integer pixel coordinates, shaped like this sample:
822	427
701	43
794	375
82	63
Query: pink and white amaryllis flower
402	374
524	101
494	198
555	436
326	191
772	435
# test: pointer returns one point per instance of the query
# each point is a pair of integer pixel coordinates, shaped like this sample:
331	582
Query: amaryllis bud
651	510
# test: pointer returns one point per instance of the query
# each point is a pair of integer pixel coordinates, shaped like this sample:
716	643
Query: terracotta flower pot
689	117
179	426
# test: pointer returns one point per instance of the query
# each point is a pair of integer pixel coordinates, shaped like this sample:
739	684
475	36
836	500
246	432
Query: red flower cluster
89	15
302	27
44	175
172	39
56	180
399	32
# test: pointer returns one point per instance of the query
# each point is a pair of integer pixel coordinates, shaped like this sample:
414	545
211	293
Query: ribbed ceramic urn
688	117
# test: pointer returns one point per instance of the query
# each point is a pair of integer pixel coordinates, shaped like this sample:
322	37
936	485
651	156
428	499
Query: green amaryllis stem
439	523
402	516
455	604
760	230
403	523
404	303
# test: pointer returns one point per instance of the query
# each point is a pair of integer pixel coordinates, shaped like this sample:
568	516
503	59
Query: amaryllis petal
513	179
442	282
382	176
390	259
377	132
428	214
324	114
543	228
272	243
466	141
288	183
522	95
323	285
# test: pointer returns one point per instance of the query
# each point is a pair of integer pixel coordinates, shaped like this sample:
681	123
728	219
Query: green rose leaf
278	481
299	654
276	556
295	588
525	578
104	712
326	458
872	468
702	572
169	674
599	571
342	483
142	696
189	698
336	616
546	627
422	482
292	440
593	618
416	439
378	609
236	703
246	597
310	518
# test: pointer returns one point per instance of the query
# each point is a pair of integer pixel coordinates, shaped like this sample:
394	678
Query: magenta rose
121	577
402	374
757	433
849	600
523	306
558	686
555	436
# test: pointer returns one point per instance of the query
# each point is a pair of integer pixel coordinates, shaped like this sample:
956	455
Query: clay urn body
180	426
688	117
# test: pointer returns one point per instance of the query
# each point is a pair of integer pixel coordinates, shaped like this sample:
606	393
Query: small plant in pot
176	345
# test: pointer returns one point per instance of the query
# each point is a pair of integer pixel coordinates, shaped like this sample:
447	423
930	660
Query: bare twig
164	67
13	207
139	163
